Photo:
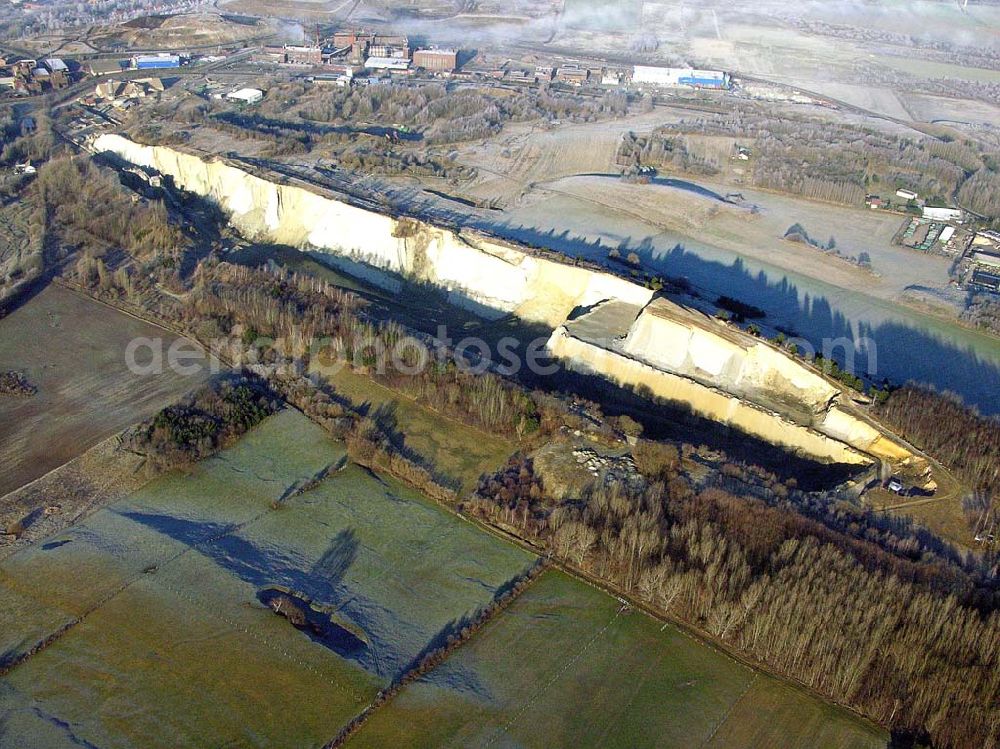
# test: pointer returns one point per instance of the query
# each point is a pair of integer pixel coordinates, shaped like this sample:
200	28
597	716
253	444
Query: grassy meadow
564	666
167	642
456	450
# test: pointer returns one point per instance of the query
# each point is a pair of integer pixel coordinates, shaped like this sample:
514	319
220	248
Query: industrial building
342	70
341	81
151	62
572	74
344	39
119	92
986	258
296	55
34	77
986	281
58	72
246	96
439	60
389	45
397	64
354	44
104	67
611	77
658	76
942	214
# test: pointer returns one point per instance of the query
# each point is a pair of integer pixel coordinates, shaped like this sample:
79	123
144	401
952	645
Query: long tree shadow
338	557
386	418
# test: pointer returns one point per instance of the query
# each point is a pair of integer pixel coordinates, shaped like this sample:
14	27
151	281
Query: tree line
984	312
297	118
297	319
662	151
861	625
449	115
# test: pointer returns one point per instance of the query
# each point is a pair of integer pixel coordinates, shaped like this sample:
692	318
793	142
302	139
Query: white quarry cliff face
679	354
711	403
492	281
712	353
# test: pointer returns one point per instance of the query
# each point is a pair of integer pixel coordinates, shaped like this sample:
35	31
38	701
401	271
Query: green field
173	646
564	667
455	449
168	642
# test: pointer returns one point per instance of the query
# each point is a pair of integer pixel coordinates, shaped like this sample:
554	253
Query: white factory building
657	76
942	214
246	95
387	63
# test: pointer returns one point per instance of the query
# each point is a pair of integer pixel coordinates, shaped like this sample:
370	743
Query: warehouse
942	214
442	60
397	64
658	76
704	79
986	281
246	96
150	62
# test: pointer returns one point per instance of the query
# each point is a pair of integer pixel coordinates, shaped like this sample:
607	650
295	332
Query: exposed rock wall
712	403
474	269
679	354
708	351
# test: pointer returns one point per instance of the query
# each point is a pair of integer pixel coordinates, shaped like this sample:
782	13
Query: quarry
537	374
601	324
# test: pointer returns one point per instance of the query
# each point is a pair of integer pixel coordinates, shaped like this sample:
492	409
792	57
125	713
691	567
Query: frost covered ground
164	640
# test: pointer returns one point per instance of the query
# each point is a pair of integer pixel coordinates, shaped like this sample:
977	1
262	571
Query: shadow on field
338	558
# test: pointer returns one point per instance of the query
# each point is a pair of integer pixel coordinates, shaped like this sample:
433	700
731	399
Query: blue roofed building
154	62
